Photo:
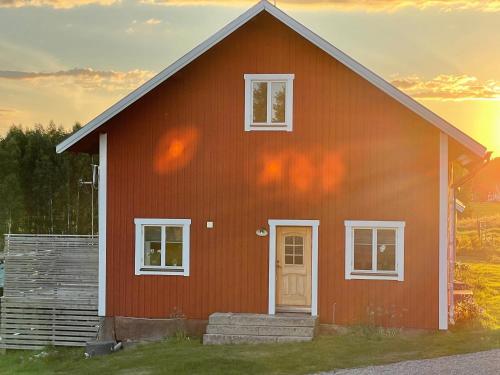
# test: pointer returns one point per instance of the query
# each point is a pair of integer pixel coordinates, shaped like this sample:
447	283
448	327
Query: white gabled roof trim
356	67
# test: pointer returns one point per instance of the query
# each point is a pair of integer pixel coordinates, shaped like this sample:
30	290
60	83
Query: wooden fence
50	292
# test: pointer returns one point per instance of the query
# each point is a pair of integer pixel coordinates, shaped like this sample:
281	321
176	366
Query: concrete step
280	320
219	339
266	330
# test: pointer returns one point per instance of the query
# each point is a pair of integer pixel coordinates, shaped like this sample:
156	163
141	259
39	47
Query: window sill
160	271
269	127
374	276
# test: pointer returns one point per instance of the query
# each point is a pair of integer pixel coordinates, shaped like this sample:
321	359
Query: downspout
453	224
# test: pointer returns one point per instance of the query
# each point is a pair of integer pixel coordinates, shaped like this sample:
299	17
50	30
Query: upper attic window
268	101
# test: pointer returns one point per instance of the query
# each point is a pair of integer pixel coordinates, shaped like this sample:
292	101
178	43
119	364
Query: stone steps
215	339
229	328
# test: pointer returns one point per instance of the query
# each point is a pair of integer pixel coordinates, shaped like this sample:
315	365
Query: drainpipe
453	190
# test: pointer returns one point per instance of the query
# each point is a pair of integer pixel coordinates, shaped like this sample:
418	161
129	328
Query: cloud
83	78
152	21
346	5
449	87
363	5
57	4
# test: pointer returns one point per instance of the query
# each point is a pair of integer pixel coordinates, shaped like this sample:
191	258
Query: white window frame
269	125
351	273
140	269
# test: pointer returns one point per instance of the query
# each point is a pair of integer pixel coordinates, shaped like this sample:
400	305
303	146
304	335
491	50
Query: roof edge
161	77
470	143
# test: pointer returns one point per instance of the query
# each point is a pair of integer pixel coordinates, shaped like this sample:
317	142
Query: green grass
358	347
484	209
484	280
483	259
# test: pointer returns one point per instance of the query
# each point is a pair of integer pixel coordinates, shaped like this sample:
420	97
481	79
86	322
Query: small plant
462	271
467	311
180	335
176	314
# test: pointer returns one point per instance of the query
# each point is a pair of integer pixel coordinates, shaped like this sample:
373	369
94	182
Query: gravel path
482	363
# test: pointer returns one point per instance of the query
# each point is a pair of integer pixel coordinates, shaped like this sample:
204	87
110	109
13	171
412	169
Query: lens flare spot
332	171
272	170
176	149
302	172
316	171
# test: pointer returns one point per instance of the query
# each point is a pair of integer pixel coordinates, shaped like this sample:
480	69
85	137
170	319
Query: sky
67	61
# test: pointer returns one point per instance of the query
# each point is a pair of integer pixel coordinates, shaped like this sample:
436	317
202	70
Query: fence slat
50	291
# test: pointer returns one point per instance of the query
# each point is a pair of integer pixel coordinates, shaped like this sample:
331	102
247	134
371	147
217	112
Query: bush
467	311
462	271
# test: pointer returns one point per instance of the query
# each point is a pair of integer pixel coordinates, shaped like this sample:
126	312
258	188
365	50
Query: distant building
494	196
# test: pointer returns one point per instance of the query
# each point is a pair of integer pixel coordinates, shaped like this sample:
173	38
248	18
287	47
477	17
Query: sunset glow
67	61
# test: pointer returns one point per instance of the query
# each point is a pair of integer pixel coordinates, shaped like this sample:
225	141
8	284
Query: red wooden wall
354	154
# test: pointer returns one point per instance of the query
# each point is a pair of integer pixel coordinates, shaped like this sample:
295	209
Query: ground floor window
374	250
162	246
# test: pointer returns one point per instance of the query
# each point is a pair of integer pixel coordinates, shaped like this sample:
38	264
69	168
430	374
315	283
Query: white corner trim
314	224
139	249
350	273
268	125
102	194
356	67
443	231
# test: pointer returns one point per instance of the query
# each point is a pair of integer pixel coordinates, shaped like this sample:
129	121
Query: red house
266	171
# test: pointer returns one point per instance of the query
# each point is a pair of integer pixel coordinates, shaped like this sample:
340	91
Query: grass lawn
483	260
358	347
484	279
485	209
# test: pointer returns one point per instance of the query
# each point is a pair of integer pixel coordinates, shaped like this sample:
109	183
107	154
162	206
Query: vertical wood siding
354	154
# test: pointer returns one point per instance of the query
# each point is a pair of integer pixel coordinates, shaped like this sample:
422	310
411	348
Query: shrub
462	271
467	311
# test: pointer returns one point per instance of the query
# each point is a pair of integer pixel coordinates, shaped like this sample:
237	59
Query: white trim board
321	43
314	224
102	192
443	231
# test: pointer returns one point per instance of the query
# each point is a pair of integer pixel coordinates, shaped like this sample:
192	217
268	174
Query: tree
40	190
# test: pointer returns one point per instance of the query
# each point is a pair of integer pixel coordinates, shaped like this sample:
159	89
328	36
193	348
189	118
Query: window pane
299	240
278	90
259	102
288	249
152	246
386	236
174	234
362	249
386	258
288	240
289	259
174	254
299	260
386	250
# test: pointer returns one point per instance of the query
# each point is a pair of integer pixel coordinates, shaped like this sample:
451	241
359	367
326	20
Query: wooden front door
293	268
